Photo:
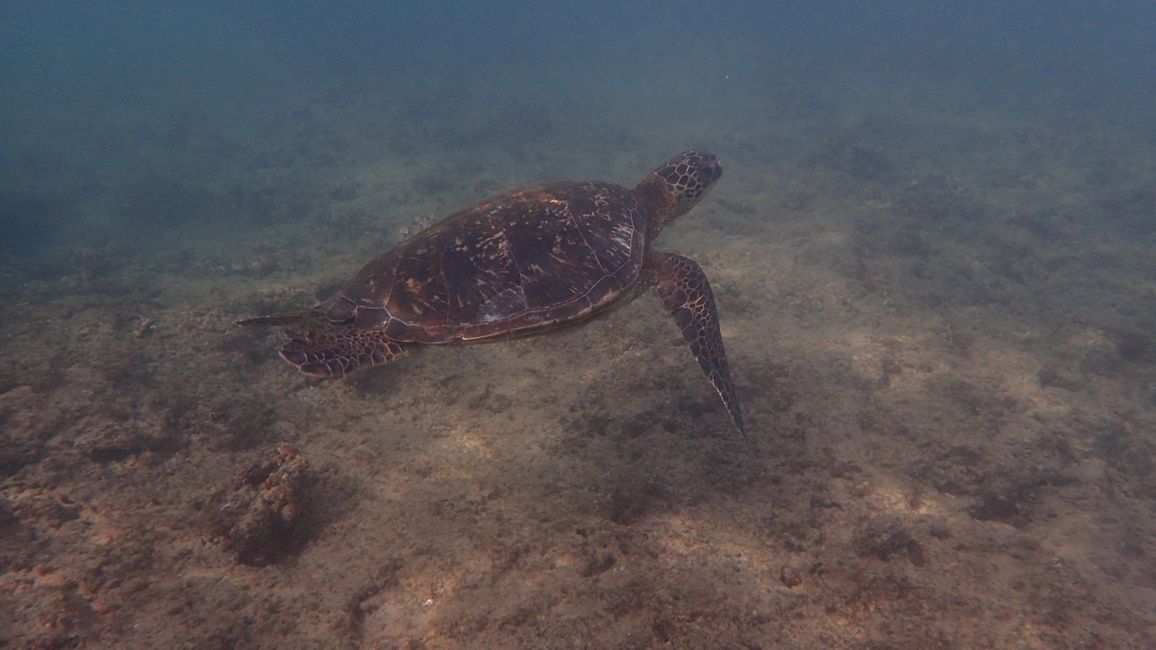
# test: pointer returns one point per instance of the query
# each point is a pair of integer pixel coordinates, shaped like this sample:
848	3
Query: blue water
99	95
89	87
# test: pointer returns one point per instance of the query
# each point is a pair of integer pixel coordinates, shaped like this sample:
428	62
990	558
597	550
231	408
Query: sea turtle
525	262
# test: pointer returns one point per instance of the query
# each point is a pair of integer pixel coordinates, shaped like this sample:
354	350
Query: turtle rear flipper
686	293
332	350
324	349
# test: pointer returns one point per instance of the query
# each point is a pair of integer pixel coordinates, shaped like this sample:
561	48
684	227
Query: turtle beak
713	167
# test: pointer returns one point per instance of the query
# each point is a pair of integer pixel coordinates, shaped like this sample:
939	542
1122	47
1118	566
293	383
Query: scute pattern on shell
520	261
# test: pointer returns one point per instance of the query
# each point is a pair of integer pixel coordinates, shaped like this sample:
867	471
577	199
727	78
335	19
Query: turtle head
678	185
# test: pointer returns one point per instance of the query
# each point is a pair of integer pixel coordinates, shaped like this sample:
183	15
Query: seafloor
940	312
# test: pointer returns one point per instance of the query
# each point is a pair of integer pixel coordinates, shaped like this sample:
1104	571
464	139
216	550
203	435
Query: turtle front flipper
686	293
324	349
332	350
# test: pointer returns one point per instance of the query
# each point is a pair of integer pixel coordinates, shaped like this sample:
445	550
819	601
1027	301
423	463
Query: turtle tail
324	349
279	319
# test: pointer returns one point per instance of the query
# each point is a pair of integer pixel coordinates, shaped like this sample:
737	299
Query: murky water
931	251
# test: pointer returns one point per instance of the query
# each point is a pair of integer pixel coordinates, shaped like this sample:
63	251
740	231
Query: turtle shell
515	264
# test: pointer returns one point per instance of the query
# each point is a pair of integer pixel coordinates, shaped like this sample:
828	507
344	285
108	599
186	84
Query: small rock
887	538
790	577
259	513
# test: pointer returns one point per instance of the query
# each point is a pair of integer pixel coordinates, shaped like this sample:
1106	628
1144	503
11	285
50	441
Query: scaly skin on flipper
686	293
324	349
332	350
